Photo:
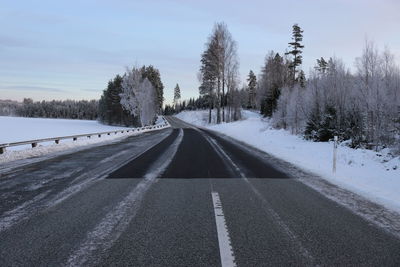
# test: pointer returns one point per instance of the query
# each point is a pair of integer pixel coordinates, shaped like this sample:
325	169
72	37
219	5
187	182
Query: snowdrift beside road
373	175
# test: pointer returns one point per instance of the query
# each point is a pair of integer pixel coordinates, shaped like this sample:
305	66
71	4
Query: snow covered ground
14	129
373	175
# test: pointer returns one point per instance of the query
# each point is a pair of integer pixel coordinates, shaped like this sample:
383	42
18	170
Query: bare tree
219	70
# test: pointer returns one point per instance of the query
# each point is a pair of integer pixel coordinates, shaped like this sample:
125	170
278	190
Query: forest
361	107
59	109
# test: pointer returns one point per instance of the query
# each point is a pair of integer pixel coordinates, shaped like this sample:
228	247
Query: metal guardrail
35	142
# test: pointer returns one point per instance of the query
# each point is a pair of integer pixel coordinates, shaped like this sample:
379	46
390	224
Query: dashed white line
266	205
225	248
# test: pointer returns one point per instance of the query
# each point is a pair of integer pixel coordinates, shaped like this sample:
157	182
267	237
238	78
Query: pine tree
296	46
208	78
252	84
322	65
177	94
302	79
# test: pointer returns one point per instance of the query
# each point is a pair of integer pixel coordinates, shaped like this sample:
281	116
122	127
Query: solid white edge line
225	248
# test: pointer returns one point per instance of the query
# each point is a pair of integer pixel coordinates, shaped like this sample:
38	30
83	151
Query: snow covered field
14	129
373	175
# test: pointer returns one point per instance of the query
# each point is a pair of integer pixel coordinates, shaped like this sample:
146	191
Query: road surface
181	196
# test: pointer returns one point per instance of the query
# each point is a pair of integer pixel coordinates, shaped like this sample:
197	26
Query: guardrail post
2	150
335	146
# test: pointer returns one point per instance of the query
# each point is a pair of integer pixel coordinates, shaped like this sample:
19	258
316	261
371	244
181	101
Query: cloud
32	88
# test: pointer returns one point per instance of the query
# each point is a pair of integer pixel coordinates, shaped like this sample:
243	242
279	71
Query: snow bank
16	129
373	175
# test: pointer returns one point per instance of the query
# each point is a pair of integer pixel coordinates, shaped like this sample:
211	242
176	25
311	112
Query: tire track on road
51	198
115	222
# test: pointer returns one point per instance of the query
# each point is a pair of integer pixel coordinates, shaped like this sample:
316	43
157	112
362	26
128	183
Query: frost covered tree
378	88
139	96
275	74
361	107
68	109
153	75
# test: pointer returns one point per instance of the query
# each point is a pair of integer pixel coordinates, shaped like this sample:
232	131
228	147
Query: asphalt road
181	196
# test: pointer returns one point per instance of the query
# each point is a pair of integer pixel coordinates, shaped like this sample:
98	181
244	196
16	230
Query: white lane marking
222	153
115	222
225	248
267	207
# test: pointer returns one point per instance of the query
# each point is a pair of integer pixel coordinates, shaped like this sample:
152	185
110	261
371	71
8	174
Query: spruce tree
177	94
296	49
252	84
110	108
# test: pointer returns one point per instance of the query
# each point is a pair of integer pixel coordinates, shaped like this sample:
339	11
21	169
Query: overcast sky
70	49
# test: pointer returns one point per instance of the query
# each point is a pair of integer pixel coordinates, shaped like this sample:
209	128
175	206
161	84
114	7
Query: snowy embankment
373	175
15	129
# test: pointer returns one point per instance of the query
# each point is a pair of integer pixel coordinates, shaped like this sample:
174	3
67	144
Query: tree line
360	107
59	109
133	99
